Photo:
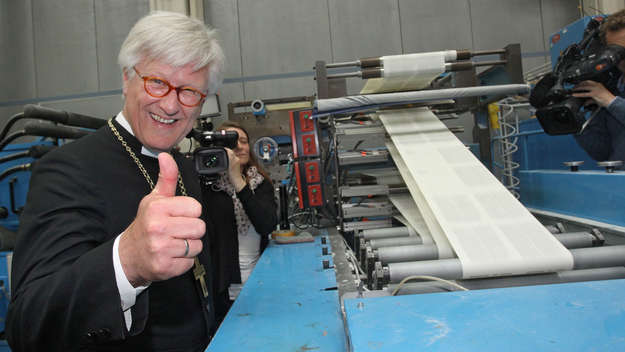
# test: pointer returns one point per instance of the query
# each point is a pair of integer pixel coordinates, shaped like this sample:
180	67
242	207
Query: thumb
167	176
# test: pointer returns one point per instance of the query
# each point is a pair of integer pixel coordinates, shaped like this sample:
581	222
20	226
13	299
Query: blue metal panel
284	306
595	195
4	290
585	316
20	185
537	150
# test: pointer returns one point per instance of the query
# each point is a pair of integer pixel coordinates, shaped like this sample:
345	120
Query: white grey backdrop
62	53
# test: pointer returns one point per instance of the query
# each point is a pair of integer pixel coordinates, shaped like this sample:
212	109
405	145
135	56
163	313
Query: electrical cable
426	277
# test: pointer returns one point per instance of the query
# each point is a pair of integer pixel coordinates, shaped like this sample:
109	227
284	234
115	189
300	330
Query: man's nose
169	103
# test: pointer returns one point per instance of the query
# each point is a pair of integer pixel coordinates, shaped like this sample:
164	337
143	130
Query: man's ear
125	82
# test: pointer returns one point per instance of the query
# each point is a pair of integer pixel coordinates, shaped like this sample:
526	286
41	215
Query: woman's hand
594	90
234	171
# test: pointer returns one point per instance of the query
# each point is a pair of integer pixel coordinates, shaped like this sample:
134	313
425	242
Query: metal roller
398	254
514	281
598	257
451	269
400	231
450	55
572	240
395	241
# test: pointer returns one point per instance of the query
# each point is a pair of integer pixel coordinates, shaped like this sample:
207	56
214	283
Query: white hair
176	40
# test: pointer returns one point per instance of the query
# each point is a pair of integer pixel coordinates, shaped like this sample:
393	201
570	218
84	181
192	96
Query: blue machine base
594	195
587	316
289	303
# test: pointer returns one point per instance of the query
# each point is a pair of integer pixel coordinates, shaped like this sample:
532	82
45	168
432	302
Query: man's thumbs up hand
167	176
166	233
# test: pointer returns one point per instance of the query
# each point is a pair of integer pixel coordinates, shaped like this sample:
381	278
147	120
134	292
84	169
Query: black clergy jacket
261	208
64	291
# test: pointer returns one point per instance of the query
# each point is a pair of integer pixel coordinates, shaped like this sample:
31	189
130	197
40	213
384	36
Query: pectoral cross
199	274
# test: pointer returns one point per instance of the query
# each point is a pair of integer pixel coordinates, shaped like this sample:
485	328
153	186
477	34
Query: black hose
12	120
14	169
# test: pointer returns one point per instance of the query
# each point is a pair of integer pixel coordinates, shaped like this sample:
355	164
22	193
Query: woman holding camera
244	211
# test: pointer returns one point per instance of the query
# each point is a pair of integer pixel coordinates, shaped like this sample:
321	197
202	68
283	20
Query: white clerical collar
121	119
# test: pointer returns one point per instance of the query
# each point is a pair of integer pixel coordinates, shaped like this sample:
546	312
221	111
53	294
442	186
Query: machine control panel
304	134
306	152
309	146
306	122
312	171
314	196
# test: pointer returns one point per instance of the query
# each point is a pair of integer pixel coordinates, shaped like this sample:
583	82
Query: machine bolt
610	165
573	165
326	264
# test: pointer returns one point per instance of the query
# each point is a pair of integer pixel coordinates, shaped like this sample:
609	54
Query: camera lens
211	161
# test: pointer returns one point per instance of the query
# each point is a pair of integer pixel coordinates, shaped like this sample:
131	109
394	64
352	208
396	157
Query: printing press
418	244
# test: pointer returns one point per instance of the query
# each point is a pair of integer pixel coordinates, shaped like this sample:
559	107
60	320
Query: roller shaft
451	269
610	273
400	231
395	241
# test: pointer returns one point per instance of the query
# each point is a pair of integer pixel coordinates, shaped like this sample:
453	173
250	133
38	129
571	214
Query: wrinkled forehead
177	75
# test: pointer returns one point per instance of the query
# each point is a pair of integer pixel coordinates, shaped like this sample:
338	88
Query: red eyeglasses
158	87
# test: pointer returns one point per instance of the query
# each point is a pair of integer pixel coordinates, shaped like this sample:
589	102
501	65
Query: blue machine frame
546	184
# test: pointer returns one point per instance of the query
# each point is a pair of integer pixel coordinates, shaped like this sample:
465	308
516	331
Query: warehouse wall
63	53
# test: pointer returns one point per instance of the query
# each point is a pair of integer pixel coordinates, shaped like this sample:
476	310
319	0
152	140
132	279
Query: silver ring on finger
186	249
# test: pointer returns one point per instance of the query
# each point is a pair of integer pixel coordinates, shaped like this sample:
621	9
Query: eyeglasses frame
177	89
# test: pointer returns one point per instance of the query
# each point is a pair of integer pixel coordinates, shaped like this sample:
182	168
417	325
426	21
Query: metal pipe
610	273
345	75
378	72
451	269
460	54
488	52
572	240
395	241
598	257
343	64
369	101
400	231
398	254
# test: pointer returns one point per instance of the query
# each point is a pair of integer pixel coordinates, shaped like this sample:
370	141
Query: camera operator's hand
234	170
154	246
594	90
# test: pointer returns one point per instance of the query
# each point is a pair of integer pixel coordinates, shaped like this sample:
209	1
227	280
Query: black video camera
211	158
557	110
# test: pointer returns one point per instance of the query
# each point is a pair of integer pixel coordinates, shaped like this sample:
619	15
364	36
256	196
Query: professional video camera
211	158
557	110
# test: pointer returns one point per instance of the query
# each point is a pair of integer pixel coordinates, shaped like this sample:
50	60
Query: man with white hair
112	252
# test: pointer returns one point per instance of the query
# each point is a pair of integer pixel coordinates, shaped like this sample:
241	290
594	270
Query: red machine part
312	171
309	146
299	185
306	123
314	196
